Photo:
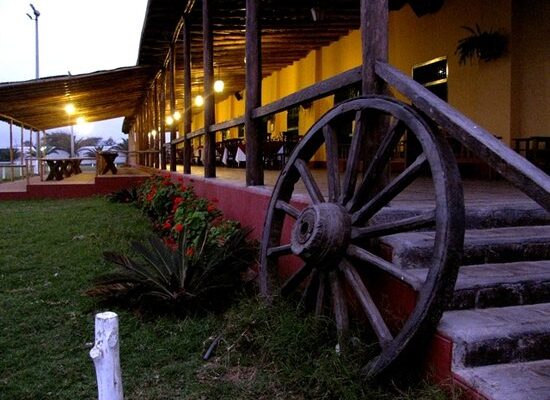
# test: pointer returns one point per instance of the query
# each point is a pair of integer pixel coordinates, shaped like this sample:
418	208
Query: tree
62	141
93	152
122	145
5	154
46	150
109	142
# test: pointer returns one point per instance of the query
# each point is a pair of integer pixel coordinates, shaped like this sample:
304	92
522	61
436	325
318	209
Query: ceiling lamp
199	100
70	109
169	120
218	86
177	116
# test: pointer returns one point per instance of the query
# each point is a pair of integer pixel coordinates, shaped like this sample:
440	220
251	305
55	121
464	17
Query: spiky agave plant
188	280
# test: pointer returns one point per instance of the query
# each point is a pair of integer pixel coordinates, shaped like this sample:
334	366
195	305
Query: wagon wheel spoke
339	308
355	154
287	208
378	262
367	304
309	292
320	298
379	162
309	181
389	192
333	177
277	251
424	220
292	283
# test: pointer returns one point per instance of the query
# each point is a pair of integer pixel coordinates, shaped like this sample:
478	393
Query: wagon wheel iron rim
329	237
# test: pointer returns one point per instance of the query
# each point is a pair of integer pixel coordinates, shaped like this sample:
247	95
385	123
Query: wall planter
483	45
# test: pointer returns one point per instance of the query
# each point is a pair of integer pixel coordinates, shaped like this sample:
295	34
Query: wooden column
11	147
172	106
187	110
374	37
254	139
209	110
156	127
162	133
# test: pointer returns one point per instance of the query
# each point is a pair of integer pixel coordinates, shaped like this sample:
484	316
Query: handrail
512	166
313	92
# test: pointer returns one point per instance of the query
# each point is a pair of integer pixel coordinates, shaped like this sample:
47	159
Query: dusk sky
79	36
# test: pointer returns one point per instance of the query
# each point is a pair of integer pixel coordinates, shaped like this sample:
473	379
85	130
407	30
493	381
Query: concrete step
497	285
479	216
498	335
509	244
518	381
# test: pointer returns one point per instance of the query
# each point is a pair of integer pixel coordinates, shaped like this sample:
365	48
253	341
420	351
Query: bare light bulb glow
169	120
177	116
199	100
218	86
70	109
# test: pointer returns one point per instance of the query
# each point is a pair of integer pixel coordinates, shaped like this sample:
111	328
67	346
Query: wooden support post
106	357
156	123
187	111
209	110
172	105
11	148
254	139
147	130
162	133
374	38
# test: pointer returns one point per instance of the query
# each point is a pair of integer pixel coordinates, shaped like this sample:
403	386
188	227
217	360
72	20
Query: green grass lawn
49	252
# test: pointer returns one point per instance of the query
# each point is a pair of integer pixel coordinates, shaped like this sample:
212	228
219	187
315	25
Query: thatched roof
100	95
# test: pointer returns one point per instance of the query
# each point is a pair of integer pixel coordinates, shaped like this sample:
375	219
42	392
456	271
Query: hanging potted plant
484	45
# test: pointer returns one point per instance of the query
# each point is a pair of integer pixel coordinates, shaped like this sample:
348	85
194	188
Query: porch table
57	168
108	158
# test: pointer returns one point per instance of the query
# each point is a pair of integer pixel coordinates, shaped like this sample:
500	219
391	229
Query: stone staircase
499	319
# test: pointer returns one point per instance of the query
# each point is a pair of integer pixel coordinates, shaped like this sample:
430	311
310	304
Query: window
433	75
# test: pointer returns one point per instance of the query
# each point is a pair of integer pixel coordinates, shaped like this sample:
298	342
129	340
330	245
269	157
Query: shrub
195	277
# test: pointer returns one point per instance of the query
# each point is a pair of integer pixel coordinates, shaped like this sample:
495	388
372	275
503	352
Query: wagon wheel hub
321	233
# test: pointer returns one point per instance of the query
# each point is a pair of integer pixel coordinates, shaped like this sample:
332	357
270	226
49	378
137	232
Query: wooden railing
509	164
478	141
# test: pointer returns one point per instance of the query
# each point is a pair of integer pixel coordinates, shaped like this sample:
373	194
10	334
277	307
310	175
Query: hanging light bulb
177	116
199	100
169	120
218	86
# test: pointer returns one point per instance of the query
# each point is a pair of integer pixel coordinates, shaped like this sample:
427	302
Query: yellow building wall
508	97
531	68
480	90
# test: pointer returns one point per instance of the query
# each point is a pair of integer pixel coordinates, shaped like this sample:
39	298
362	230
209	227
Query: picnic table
60	168
106	162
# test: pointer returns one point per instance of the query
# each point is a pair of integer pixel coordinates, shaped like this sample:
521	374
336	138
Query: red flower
167	225
178	227
171	243
189	252
211	208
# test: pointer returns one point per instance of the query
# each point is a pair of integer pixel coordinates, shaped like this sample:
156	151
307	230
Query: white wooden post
106	357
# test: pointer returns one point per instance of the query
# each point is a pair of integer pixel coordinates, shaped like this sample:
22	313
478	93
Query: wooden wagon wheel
331	238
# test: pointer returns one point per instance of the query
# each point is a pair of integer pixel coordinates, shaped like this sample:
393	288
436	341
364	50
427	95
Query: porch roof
290	29
40	103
